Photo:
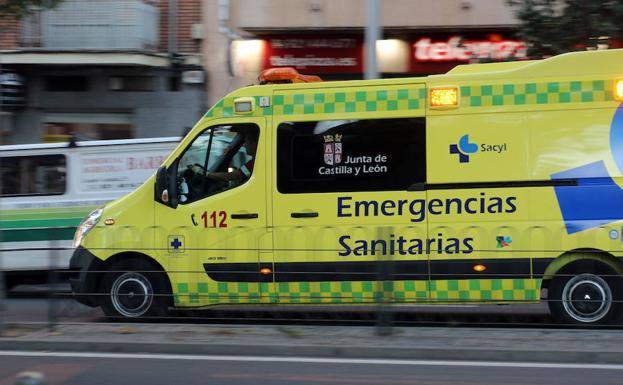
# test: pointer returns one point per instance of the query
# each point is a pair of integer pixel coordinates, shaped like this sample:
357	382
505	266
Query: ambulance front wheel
134	289
586	296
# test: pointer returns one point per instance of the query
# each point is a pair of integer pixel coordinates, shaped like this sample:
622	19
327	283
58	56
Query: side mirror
161	178
166	186
161	184
171	186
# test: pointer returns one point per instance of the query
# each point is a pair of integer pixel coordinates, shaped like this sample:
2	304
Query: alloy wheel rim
131	294
587	298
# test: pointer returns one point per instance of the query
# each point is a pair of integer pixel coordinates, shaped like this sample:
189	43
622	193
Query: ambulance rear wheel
586	298
134	289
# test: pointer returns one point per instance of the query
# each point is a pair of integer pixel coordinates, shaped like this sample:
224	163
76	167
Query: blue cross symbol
463	148
176	244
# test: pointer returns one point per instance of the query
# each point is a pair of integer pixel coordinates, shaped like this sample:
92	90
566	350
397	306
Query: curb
500	355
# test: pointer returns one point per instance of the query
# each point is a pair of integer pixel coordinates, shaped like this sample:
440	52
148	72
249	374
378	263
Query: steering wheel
203	169
199	183
193	175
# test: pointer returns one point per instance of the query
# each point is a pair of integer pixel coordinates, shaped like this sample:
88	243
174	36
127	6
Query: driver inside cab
219	159
249	142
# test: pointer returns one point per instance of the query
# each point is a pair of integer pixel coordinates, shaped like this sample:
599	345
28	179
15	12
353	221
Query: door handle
244	216
304	215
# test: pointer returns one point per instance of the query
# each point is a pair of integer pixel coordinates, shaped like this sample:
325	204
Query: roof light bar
440	97
285	75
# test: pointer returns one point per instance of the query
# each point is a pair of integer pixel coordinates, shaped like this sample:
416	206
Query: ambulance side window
350	155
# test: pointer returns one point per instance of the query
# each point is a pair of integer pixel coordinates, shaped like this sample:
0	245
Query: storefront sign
440	54
316	54
457	49
430	54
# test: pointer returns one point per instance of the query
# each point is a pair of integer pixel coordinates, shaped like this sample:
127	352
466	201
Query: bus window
33	175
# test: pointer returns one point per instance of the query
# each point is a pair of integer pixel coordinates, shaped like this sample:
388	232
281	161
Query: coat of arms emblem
333	149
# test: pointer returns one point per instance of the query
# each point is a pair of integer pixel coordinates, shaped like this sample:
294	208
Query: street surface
69	343
40	310
136	369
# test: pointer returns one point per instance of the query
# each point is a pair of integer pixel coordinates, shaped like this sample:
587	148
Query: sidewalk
434	343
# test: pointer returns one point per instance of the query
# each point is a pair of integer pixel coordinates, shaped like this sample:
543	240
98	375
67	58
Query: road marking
311	360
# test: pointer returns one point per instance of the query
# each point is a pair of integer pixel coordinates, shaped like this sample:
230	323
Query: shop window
66	83
63	132
350	155
33	175
132	83
12	89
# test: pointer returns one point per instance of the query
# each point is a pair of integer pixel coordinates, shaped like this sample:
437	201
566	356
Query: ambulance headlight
87	224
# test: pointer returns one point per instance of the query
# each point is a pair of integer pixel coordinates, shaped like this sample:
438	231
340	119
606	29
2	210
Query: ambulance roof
594	71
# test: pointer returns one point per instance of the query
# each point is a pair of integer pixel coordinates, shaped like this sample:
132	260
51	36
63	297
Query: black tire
586	292
135	289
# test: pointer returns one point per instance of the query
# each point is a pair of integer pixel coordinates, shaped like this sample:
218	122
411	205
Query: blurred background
119	69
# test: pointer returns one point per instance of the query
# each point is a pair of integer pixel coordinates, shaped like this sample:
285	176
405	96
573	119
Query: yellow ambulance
493	183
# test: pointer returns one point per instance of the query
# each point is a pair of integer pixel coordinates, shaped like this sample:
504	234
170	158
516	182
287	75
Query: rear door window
350	155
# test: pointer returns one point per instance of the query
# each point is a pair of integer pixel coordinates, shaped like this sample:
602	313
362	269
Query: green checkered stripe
537	93
405	99
486	290
350	292
204	293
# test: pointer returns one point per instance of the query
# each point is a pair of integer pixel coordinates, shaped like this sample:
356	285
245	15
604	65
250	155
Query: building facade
102	69
326	37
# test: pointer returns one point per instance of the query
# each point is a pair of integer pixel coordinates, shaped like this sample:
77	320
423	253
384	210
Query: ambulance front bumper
84	267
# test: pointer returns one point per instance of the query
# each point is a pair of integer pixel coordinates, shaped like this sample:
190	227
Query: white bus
47	189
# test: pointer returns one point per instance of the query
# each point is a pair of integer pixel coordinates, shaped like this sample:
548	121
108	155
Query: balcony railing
93	24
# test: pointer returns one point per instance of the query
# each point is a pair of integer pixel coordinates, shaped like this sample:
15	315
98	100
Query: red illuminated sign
435	53
440	54
459	49
316	54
